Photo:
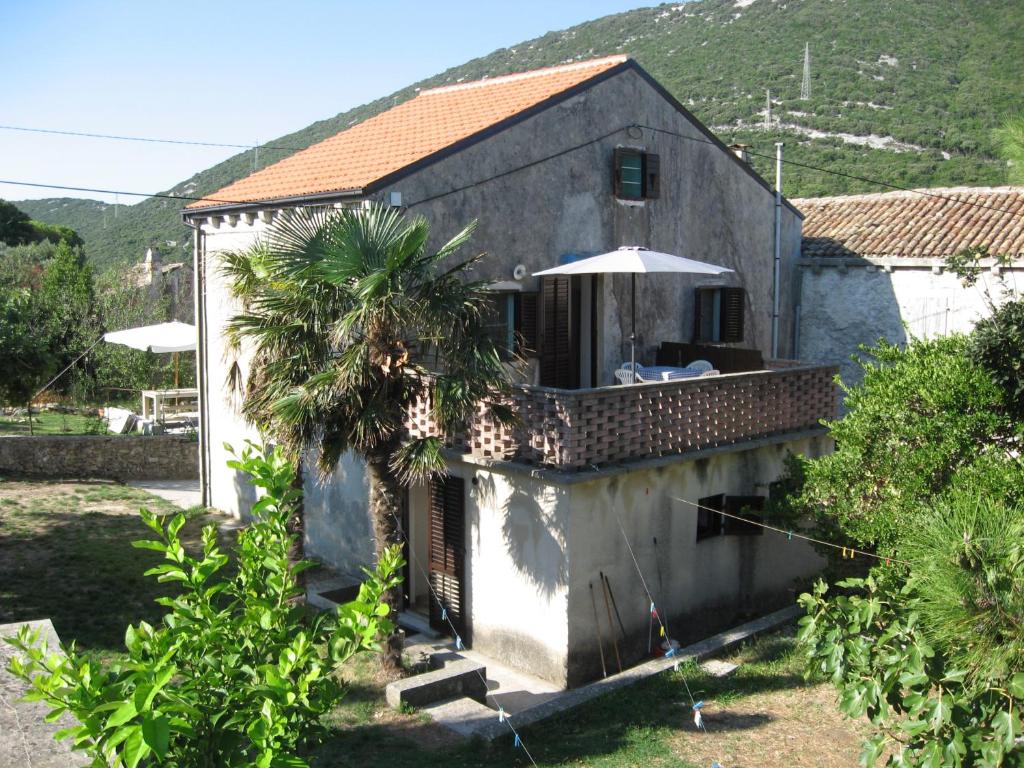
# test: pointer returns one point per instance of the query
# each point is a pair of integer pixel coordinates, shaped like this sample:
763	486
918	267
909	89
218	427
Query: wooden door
559	339
448	553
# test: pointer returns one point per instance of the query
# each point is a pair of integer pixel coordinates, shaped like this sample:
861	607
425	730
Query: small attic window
636	174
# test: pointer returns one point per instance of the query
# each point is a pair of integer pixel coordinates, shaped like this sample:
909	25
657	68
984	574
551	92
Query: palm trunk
385	508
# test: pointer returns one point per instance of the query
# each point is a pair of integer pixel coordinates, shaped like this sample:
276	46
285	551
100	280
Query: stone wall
115	457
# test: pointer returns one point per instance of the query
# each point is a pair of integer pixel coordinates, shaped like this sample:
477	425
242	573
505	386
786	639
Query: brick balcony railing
573	429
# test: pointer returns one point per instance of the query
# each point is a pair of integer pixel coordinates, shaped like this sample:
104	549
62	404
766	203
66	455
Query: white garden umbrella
634	259
162	337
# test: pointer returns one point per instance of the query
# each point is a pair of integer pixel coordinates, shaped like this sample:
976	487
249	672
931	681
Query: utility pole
777	260
805	86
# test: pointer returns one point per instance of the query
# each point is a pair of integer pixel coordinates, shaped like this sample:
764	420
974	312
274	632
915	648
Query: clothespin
517	742
661	631
672	652
458	643
887	561
654	611
444	613
698	720
789	537
715	765
844	553
501	714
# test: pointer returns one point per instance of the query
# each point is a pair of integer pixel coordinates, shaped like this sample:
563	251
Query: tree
68	297
237	674
15	225
351	319
25	357
920	416
1010	141
932	652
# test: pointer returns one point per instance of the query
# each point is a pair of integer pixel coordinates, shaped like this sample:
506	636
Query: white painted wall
844	308
699	585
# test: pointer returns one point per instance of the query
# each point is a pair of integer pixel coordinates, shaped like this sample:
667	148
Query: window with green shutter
637	174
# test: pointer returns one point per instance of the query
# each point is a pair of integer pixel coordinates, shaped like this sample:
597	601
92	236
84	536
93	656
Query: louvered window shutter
734	302
617	172
447	552
556	348
527	324
652	175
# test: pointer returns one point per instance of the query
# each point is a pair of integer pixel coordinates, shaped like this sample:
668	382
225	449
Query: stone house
873	266
557	163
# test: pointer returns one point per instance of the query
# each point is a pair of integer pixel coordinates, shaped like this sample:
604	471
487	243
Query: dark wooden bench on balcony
724	359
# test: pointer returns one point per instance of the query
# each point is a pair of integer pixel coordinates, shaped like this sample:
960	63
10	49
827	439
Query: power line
552	156
147	139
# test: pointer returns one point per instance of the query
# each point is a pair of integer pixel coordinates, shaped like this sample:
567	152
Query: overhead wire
494	177
146	139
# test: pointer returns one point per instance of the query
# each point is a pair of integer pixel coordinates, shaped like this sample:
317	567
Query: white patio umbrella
634	259
163	337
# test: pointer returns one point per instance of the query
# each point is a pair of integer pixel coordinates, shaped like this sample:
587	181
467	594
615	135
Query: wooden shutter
617	171
528	324
652	175
734	302
558	357
741	505
447	552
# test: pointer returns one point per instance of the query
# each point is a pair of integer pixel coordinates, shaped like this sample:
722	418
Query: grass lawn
52	423
65	554
763	715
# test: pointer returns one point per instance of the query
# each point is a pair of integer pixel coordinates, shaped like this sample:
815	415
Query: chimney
740	150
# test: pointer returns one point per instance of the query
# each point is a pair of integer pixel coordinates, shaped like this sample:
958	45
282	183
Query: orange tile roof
432	121
909	224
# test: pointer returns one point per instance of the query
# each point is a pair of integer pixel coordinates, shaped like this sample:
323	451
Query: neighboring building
166	282
555	164
874	266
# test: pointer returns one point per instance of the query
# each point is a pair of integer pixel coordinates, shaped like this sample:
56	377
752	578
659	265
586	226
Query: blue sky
222	72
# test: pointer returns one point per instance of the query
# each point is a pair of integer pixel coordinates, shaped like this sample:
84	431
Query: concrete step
466	717
456	679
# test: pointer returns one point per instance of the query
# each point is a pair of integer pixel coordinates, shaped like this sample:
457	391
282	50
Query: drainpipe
777	275
199	303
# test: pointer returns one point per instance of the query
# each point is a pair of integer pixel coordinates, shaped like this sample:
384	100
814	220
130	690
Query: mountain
905	91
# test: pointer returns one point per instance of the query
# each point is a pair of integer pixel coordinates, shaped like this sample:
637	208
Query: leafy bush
239	673
920	417
997	344
932	653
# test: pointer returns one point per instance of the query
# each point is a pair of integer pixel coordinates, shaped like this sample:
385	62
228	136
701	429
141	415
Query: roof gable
432	122
909	224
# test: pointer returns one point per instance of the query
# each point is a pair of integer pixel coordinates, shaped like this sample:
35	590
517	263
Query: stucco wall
337	527
844	307
699	586
116	457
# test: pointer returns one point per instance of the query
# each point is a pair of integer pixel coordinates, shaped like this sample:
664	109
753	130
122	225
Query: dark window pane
630	174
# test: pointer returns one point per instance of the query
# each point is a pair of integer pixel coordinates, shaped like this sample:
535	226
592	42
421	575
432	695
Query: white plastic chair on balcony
627	374
701	365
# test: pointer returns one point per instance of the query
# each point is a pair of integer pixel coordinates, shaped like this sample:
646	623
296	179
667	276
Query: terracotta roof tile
432	121
909	224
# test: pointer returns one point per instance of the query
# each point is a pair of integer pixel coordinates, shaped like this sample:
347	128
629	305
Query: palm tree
1010	141
349	318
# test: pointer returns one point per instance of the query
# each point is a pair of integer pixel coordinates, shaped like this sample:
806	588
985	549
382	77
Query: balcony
575	429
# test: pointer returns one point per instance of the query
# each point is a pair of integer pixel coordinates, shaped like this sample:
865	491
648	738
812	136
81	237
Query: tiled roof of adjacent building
434	121
909	224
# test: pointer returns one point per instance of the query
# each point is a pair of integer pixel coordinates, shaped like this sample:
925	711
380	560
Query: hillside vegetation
907	91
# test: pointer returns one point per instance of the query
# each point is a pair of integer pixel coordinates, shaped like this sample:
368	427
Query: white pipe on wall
777	274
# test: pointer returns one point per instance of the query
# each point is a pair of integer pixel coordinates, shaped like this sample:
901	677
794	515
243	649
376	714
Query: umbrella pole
175	370
632	333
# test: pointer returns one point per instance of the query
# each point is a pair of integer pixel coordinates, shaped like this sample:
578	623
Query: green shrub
921	417
997	345
239	673
932	652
